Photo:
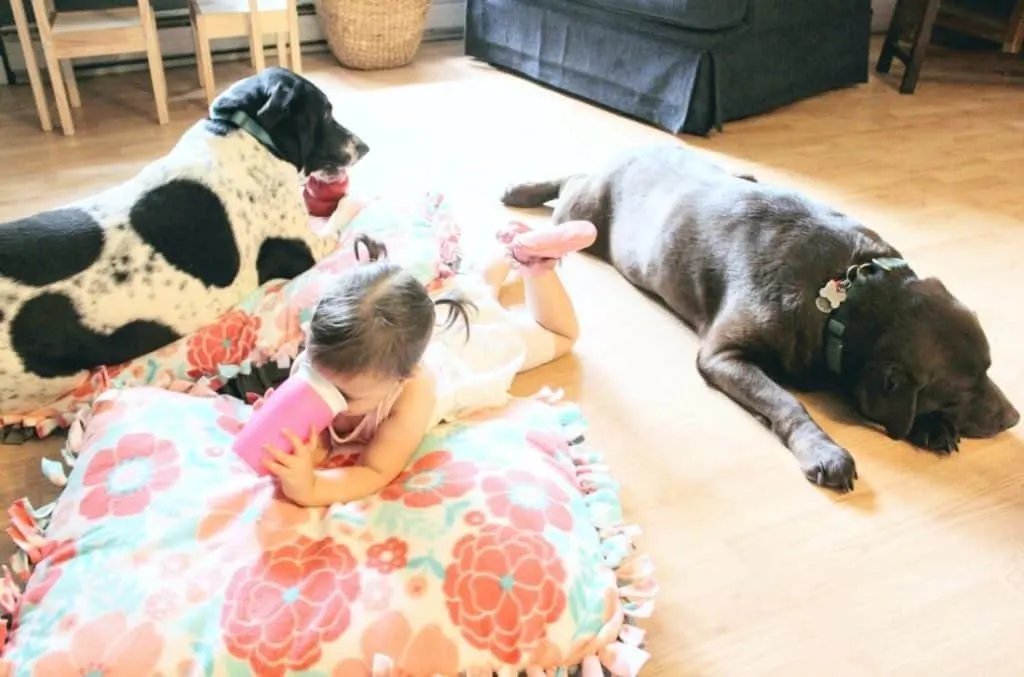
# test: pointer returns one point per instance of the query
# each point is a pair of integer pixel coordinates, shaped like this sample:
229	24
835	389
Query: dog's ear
893	392
276	107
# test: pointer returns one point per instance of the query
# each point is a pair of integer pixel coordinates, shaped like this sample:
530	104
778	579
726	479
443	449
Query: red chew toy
322	197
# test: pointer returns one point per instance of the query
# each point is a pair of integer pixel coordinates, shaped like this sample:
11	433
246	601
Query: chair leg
68	71
205	60
922	37
1014	40
35	79
196	49
158	78
892	38
256	43
282	50
294	41
67	123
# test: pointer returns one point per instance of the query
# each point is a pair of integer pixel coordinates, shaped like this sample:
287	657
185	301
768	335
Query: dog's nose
361	148
1011	417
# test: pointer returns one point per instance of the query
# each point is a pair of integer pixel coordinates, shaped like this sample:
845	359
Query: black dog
130	270
782	289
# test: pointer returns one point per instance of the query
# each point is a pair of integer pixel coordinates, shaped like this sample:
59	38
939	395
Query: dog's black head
296	116
921	354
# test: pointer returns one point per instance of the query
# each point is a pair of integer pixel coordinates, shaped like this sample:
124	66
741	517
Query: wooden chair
85	33
216	19
919	17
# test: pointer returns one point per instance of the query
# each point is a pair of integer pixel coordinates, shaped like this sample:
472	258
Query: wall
882	13
445	20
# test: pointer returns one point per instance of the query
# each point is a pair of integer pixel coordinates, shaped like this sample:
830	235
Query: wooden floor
920	571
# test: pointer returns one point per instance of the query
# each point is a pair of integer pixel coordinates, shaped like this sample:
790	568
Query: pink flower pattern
122	480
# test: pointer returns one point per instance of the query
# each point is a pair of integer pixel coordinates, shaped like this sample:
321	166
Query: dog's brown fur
742	263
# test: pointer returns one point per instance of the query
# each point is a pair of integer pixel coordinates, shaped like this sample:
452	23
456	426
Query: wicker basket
371	34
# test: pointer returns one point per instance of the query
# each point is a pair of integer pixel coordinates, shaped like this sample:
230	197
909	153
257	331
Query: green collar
241	120
830	301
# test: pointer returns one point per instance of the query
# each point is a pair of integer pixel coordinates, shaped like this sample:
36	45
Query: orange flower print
281	609
187	667
424	652
106	647
54	553
475	518
197	593
390	555
416	586
528	501
503	588
229	341
67	623
431	480
273	520
121	481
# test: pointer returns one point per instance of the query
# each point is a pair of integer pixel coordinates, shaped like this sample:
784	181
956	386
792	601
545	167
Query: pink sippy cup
306	399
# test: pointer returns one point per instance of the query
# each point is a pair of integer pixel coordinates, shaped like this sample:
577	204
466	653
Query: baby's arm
387	455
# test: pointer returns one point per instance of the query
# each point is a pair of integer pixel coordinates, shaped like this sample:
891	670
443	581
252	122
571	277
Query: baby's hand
258	402
296	470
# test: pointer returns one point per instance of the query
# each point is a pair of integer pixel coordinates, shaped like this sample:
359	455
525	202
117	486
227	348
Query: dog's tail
534	193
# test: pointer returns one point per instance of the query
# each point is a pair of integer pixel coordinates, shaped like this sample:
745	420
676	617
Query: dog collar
241	120
830	301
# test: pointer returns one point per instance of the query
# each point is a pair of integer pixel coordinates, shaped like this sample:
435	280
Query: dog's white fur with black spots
123	273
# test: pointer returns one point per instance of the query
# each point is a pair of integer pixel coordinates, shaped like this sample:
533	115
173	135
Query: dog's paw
936	433
530	194
829	465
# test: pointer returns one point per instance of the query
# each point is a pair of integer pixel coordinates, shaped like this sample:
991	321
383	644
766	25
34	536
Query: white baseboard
445	19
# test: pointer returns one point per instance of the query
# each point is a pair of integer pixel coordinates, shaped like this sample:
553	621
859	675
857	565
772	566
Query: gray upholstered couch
683	65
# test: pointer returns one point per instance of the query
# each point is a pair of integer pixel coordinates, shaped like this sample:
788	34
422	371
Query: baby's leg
495	272
536	254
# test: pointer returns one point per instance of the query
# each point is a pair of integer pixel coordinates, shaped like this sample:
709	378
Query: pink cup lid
327	390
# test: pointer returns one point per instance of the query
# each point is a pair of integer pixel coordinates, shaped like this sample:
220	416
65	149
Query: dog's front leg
823	461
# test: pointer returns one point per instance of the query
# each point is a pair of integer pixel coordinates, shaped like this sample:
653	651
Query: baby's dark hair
378	318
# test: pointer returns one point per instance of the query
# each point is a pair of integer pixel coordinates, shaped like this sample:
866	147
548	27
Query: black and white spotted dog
128	271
